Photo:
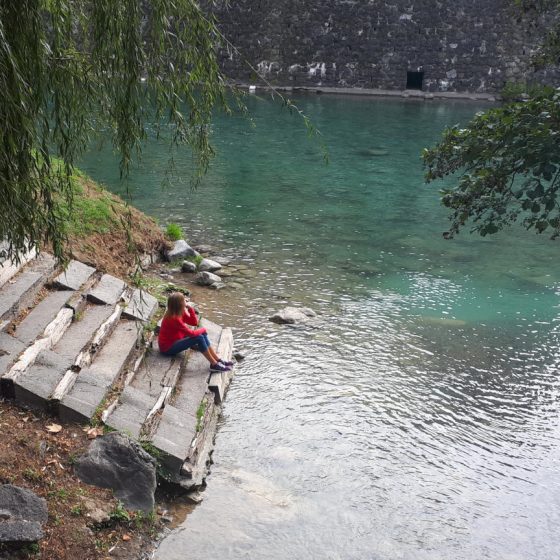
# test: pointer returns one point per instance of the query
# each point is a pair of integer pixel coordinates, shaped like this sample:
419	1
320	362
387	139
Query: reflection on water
417	416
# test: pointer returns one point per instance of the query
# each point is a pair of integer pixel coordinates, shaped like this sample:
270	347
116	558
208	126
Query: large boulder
180	250
209	265
22	515
207	278
292	315
115	461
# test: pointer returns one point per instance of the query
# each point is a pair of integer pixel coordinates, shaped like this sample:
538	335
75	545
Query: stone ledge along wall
460	45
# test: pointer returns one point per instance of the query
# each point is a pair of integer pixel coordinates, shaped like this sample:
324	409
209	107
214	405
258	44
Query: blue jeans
200	343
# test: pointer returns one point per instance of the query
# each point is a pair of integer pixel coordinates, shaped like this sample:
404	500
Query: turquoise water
417	416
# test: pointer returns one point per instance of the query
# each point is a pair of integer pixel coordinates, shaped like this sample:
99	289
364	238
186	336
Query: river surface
417	417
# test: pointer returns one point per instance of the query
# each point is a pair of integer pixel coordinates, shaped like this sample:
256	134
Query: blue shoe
217	367
226	363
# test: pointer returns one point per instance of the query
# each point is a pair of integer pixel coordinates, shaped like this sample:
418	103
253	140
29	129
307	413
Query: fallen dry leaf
92	433
54	428
126	537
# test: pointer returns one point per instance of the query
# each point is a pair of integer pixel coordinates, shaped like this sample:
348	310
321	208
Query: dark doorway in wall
414	80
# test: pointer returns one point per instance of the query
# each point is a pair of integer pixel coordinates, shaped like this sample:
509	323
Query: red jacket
175	328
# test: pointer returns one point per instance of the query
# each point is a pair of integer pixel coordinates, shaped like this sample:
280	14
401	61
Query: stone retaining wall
459	45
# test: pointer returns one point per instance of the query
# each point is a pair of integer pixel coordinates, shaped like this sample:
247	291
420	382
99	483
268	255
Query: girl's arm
189	316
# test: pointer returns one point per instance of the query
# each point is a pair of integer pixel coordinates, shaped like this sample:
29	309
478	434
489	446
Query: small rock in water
188	266
292	315
224	261
205	249
217	286
239	356
207	278
181	249
209	265
194	497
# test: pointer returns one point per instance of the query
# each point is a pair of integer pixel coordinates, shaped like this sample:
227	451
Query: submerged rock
205	249
209	265
180	250
207	278
117	462
22	515
292	315
188	266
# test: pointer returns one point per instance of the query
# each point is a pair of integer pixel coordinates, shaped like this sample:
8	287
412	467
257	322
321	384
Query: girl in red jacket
176	336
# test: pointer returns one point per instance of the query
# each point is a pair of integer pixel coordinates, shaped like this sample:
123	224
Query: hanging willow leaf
69	68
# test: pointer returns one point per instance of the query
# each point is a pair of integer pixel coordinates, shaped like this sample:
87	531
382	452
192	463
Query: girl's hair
175	304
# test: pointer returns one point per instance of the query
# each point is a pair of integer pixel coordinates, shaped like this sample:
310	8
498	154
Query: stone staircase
74	344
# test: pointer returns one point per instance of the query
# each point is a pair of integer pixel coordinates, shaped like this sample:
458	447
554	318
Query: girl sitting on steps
175	335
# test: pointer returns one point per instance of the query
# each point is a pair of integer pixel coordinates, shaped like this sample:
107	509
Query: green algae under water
417	417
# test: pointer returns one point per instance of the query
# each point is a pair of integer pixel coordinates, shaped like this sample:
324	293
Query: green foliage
506	163
119	513
68	69
519	91
151	449
196	259
200	414
174	232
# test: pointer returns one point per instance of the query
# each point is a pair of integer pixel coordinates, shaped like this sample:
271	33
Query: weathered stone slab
75	275
219	381
94	381
23	514
20	291
41	315
115	461
82	331
157	371
80	404
50	336
109	290
10	349
173	437
141	306
8	269
34	386
131	412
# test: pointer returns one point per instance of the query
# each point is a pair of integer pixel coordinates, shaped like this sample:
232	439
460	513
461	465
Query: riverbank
38	452
84	521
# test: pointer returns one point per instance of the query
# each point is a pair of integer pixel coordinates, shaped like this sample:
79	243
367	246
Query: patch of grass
173	232
32	475
76	510
119	513
151	449
196	259
200	414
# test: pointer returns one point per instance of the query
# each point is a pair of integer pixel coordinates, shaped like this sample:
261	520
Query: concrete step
180	414
219	381
50	336
174	436
154	380
141	306
9	269
75	276
94	382
36	386
108	291
40	316
19	292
